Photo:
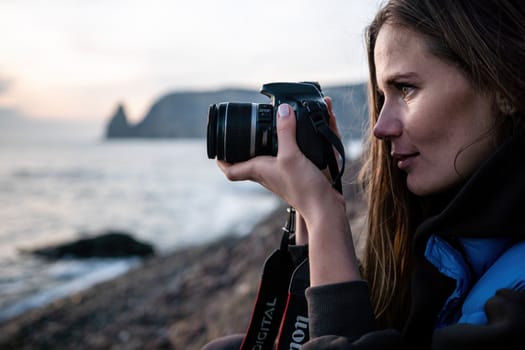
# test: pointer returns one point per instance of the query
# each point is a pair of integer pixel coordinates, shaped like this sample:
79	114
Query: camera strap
294	330
317	113
280	314
279	317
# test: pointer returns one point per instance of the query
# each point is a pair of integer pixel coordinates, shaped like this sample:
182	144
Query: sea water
63	181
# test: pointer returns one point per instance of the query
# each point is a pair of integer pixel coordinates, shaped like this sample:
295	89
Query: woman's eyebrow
396	77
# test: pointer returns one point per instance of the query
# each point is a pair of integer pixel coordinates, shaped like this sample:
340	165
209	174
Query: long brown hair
485	39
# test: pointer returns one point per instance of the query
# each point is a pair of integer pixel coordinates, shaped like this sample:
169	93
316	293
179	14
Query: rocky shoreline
178	301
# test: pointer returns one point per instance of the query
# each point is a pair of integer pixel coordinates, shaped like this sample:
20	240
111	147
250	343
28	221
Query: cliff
118	125
184	114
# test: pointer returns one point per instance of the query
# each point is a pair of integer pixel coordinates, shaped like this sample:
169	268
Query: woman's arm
301	184
332	254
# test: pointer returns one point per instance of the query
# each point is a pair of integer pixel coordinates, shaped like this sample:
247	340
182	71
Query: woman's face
439	128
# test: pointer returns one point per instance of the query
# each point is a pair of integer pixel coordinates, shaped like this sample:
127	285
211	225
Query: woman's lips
404	160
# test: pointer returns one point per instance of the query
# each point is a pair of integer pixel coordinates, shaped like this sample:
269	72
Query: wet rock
108	245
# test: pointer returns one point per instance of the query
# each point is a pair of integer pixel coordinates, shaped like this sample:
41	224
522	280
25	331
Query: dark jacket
480	224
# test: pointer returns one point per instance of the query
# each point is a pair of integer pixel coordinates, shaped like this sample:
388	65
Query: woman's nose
388	125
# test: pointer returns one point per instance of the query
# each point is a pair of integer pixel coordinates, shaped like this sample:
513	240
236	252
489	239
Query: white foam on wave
69	277
235	211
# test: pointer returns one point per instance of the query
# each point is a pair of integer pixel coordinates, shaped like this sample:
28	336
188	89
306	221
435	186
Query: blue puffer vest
480	267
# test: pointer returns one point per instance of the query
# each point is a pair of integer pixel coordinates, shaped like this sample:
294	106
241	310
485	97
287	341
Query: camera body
240	131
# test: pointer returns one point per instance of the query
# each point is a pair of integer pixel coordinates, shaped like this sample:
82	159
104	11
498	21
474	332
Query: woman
444	175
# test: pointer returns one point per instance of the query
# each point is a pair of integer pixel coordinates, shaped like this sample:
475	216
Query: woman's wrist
332	254
301	231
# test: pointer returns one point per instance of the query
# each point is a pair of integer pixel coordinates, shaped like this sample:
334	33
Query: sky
77	59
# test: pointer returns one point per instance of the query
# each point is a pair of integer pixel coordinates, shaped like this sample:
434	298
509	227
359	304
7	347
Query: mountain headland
184	114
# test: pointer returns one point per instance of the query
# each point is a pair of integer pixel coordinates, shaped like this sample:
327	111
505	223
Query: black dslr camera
240	131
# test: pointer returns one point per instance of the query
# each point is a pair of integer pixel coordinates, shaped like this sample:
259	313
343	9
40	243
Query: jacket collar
490	204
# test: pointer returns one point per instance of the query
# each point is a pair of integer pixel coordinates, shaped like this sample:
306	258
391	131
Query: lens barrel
240	131
211	138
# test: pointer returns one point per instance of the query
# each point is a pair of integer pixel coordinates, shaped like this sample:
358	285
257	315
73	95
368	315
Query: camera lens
212	132
240	131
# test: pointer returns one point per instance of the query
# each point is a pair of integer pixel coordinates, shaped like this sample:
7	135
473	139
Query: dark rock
118	125
111	244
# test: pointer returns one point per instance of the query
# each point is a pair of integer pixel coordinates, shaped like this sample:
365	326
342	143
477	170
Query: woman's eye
405	89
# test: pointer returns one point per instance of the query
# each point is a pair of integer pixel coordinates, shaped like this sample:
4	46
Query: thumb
286	135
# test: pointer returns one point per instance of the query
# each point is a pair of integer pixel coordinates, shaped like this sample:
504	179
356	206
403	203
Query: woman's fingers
248	170
260	168
286	139
290	175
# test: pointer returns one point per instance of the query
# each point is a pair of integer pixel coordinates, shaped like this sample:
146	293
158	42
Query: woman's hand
290	175
301	184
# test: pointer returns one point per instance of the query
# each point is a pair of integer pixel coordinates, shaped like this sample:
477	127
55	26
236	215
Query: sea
61	181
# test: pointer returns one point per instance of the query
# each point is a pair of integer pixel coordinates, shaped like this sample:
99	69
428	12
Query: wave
75	276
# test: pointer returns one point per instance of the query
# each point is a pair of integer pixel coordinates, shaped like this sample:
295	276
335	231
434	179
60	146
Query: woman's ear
504	104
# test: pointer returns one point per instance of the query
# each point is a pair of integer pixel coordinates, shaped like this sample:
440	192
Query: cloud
78	57
4	85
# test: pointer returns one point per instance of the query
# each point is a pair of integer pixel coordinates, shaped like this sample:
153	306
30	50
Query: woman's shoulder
507	272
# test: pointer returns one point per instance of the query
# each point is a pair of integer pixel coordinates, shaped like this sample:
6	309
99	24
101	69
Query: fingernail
283	110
